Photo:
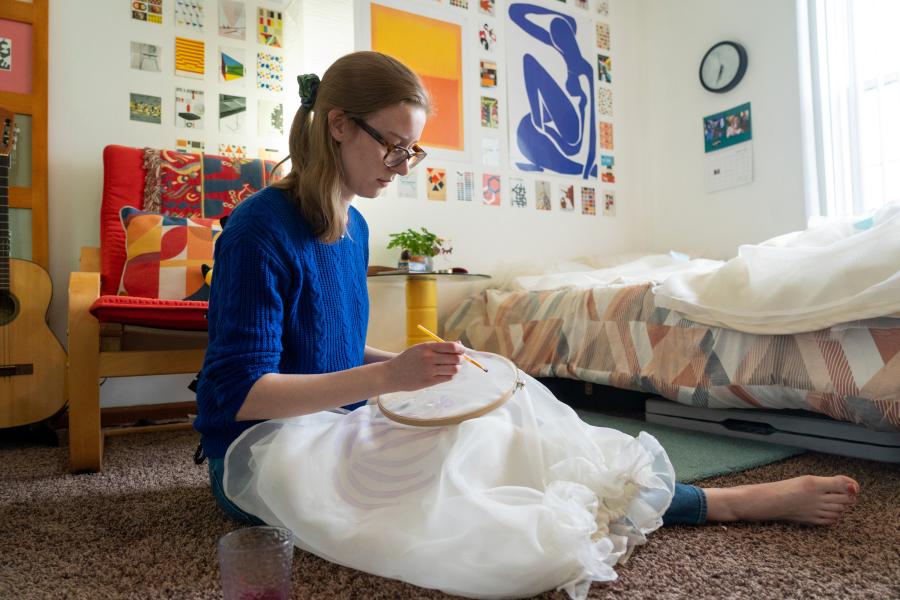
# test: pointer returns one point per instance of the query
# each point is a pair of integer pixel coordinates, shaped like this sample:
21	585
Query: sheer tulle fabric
836	273
522	500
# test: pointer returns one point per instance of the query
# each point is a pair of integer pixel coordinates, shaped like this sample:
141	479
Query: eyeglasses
395	154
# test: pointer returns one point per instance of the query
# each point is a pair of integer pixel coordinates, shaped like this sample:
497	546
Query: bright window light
855	56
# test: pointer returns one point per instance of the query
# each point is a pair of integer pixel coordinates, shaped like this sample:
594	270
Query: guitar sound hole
9	308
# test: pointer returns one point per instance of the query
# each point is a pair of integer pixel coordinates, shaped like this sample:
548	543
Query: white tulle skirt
525	499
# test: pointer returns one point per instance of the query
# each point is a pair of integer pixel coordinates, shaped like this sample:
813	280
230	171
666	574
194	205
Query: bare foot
807	499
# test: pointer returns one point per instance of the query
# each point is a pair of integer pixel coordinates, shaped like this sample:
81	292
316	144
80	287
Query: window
855	60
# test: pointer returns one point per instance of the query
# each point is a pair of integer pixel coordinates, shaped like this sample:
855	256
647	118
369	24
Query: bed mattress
616	335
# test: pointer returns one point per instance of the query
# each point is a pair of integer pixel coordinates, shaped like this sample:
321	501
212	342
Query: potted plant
418	248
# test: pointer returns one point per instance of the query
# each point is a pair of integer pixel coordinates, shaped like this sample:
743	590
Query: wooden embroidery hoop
387	402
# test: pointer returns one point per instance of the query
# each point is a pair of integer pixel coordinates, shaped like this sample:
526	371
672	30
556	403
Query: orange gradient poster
433	49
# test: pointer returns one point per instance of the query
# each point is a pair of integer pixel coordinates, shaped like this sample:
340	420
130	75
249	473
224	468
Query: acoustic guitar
32	361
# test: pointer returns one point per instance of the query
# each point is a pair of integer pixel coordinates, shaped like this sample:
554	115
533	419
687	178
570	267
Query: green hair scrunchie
309	88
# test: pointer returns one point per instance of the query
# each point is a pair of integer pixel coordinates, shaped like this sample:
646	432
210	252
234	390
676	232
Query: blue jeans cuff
688	506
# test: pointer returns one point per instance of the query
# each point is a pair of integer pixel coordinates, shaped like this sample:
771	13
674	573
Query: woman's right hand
424	365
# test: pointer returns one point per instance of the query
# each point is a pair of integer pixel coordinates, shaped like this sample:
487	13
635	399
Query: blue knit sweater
281	302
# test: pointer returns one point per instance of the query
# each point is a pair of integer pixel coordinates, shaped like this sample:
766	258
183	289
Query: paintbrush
438	339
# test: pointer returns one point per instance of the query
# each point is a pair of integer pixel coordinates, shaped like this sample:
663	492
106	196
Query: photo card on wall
604	102
603	36
189	108
269	72
232	114
189	60
488	74
270	117
149	11
465	186
607	165
567	197
189	14
609	203
727	128
487	37
588	201
490	152
144	57
490	189
518	193
437	183
233	151
604	68
543	195
189	146
232	65
145	108
490	113
232	19
269	27
606	136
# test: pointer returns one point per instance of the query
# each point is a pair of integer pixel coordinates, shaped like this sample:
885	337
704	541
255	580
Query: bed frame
791	428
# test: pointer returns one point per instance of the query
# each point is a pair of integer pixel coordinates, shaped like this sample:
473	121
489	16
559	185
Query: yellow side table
421	299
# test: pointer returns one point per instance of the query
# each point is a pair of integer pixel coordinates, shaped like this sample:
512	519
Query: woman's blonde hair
360	84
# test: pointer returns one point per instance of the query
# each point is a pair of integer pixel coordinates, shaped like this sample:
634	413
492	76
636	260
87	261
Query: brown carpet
147	527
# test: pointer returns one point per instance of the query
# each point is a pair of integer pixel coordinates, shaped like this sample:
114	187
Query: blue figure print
555	130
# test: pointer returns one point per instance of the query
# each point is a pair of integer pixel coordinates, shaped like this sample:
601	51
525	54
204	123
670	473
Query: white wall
658	103
676	210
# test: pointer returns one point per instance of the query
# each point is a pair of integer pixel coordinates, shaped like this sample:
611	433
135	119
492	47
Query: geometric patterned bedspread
615	335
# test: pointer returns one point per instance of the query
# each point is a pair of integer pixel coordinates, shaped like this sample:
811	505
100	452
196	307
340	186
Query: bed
614	330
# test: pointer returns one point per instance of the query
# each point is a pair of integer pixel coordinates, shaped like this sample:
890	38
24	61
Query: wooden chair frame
91	359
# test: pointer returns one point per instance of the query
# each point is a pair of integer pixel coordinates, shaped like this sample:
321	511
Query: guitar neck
4	223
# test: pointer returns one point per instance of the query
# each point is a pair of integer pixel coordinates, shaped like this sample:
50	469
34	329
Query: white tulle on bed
522	500
650	268
836	273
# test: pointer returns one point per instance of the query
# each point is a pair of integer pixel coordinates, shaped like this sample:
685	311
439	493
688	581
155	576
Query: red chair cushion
123	185
151	312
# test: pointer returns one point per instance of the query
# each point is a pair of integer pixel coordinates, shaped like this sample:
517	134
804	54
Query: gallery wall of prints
523	135
212	75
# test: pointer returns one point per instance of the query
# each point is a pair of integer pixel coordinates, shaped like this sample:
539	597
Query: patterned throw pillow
164	255
182	184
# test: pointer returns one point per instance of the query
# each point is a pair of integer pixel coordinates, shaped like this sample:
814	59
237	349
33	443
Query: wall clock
723	66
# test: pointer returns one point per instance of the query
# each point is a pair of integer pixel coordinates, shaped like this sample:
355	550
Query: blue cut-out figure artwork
561	124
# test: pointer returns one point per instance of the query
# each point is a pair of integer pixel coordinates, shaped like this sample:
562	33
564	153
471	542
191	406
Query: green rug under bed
696	455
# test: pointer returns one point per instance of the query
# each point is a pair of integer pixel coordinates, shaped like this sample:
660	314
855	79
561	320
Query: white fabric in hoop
471	393
524	499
